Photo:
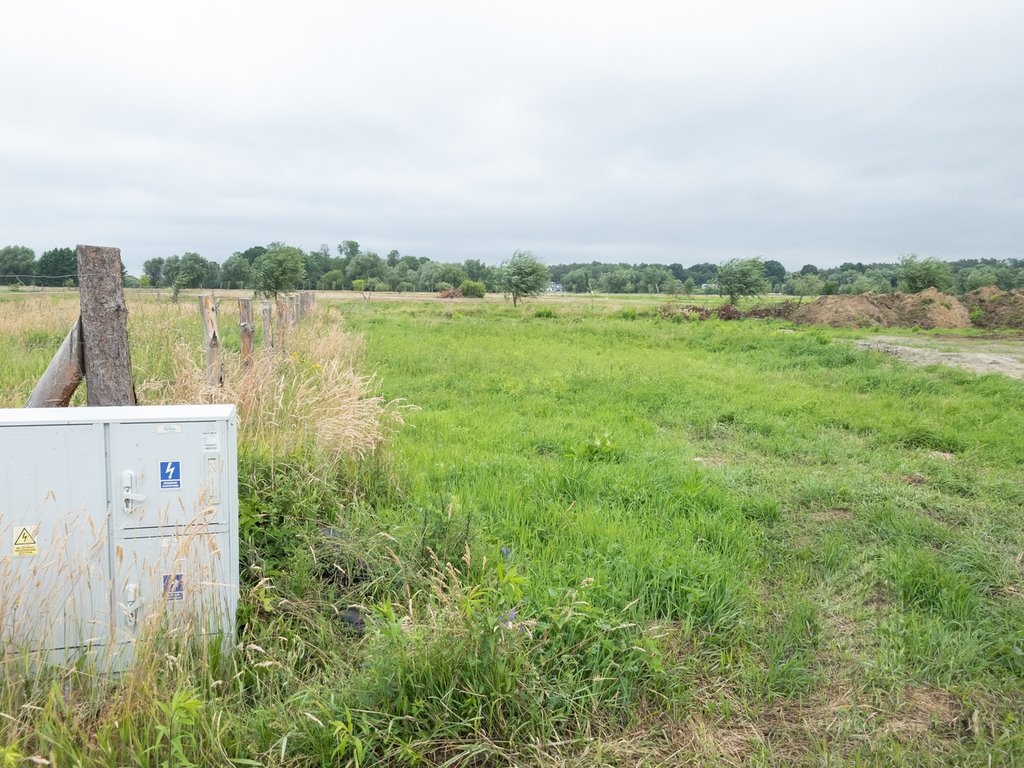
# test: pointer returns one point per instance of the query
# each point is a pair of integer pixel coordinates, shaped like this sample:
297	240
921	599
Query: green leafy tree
618	281
251	254
58	265
154	270
236	271
16	260
332	280
689	286
524	275
774	272
805	285
741	277
280	269
349	249
916	274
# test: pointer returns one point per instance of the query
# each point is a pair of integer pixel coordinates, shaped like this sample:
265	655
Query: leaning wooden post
247	329
63	374
108	365
211	340
268	326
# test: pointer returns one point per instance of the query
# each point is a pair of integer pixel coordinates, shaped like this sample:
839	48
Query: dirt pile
990	307
928	309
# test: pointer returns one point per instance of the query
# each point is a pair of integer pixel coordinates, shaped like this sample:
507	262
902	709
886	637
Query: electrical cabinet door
54	569
182	584
168	475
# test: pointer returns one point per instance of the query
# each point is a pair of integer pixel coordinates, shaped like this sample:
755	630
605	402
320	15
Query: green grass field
598	539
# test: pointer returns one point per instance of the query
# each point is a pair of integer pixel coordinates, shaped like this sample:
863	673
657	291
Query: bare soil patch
976	362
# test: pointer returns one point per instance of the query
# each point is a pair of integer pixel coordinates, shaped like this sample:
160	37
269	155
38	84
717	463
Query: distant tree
251	254
154	270
809	269
703	273
979	277
194	271
280	269
576	280
524	275
236	271
774	272
16	260
364	266
334	280
741	277
59	265
349	249
617	281
916	274
453	274
689	286
476	270
805	285
830	288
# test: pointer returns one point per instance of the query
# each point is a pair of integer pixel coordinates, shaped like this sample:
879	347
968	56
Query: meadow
574	535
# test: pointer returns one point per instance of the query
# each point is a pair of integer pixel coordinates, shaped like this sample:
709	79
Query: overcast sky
801	131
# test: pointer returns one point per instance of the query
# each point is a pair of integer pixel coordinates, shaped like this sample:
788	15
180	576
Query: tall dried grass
311	394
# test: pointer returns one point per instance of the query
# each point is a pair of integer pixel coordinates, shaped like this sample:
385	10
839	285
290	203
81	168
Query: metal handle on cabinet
128	495
133	604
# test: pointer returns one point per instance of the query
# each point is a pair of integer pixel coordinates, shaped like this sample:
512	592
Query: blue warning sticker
170	474
174	586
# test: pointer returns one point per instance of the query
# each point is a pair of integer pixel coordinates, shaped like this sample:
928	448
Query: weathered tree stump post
63	374
211	340
247	329
282	323
268	326
108	367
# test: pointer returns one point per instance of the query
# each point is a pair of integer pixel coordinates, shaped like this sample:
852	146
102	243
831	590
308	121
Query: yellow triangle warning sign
24	537
25	540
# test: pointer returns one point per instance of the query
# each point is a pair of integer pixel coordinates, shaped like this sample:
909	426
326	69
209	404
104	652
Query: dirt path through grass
976	355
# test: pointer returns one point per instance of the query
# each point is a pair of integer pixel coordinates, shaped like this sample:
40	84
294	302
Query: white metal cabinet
133	514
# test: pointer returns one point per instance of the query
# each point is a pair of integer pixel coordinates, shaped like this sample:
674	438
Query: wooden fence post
63	374
247	329
268	326
296	312
108	366
211	339
282	323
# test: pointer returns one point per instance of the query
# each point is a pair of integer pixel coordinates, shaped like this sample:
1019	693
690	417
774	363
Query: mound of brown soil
928	309
990	307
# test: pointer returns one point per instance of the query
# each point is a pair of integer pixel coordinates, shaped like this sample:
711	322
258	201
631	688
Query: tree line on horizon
278	267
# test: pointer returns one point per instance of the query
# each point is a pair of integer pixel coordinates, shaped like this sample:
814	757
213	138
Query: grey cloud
661	133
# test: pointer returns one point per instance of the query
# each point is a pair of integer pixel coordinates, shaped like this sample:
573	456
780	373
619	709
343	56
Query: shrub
473	289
